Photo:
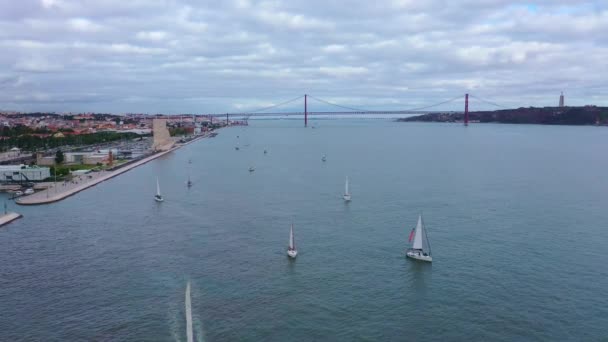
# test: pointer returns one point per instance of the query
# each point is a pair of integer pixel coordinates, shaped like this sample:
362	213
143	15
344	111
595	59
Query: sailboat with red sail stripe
421	248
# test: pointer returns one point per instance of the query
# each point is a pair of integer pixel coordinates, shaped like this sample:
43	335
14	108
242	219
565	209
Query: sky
187	56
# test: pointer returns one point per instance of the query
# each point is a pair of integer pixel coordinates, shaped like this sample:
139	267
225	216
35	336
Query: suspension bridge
347	110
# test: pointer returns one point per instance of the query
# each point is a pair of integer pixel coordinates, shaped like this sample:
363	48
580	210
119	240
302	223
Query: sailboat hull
347	197
416	254
292	253
158	199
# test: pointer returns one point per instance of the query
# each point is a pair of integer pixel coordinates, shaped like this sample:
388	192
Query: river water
516	216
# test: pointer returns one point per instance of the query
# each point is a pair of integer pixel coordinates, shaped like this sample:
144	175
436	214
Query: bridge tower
466	109
227	119
305	111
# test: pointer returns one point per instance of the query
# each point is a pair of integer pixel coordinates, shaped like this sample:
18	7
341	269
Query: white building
19	173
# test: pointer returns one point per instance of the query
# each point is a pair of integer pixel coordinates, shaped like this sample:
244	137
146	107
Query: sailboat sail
157	188
418	235
426	245
292	243
346	187
412	234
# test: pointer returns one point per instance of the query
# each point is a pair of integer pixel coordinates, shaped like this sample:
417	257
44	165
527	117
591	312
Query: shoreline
50	195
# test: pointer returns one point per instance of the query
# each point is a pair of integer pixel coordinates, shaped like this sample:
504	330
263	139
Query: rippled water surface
516	215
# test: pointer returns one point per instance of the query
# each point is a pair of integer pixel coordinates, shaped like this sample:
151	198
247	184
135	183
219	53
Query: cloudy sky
186	56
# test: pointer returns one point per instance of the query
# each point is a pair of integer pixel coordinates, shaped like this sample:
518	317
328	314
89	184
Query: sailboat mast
292	243
426	238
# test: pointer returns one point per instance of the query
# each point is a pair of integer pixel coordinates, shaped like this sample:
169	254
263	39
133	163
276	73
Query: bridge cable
406	110
487	102
269	107
339	106
433	105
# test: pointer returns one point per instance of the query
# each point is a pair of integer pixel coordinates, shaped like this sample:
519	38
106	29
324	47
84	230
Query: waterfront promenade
60	190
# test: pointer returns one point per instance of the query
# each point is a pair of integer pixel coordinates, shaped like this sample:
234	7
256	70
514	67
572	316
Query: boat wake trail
189	334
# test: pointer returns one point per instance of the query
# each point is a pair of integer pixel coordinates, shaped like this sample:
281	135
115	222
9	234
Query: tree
59	157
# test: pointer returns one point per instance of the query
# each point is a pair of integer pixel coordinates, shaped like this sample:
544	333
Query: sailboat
324	158
158	197
251	169
421	248
189	182
292	252
346	192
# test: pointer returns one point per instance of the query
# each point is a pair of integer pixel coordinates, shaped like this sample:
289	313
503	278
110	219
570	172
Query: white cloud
343	71
152	35
183	55
37	65
84	25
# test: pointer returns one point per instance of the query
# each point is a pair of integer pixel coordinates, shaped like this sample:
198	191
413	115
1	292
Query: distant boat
236	148
29	191
189	161
421	248
265	151
251	169
324	158
346	192
189	182
292	252
158	197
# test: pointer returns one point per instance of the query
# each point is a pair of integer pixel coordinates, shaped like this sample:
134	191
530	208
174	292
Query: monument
162	138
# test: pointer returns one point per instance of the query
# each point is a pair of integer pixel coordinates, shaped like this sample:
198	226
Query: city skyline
183	57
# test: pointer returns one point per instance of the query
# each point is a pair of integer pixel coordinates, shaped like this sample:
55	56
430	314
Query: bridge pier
466	109
305	111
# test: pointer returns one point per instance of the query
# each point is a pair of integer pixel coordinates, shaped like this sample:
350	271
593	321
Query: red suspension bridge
346	110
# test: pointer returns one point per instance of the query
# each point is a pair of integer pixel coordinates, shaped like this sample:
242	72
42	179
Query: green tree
59	157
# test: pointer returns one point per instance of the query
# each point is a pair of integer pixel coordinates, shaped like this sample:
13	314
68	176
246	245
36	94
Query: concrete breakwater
8	218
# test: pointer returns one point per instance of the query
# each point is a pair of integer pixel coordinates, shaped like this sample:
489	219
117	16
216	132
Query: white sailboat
421	248
158	197
292	252
346	196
